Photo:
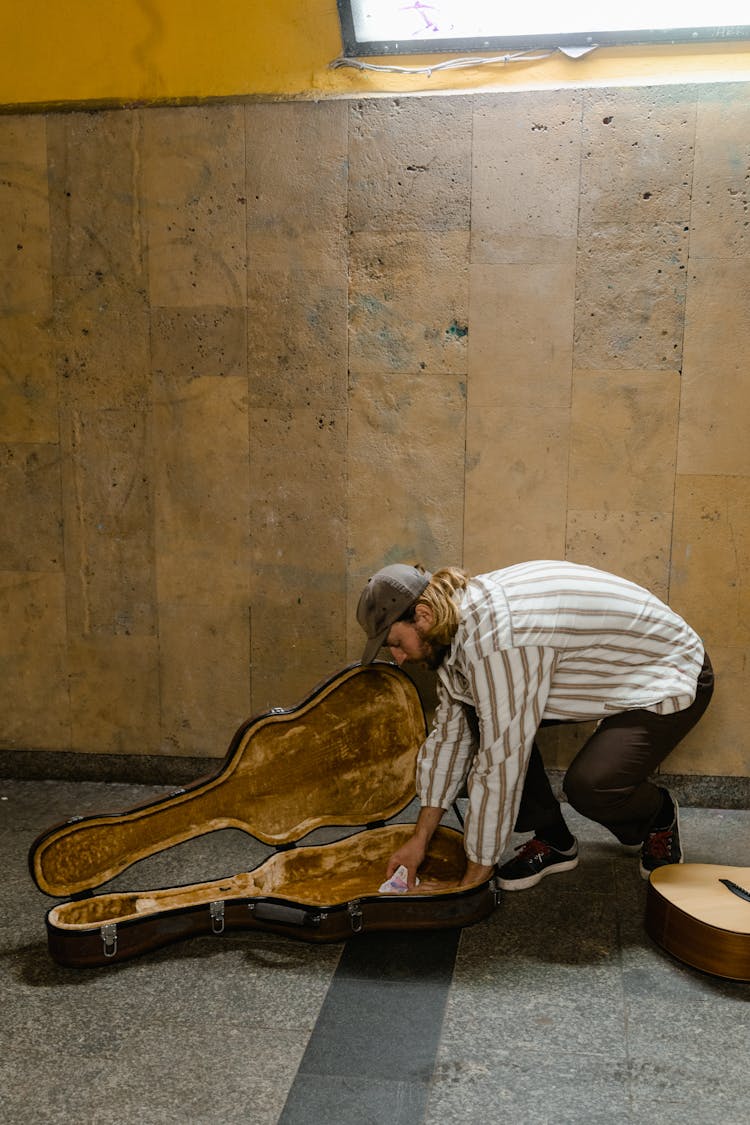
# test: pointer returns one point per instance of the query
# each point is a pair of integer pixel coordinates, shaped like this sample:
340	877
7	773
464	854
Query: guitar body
696	912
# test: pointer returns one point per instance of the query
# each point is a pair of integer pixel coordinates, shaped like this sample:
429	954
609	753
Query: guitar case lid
345	756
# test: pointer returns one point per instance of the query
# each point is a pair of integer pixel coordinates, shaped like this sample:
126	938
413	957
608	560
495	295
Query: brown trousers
608	780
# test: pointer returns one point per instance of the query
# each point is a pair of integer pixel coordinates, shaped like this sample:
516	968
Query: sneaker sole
645	873
532	880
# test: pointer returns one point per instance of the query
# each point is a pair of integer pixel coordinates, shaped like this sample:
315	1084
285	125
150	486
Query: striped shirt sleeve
444	758
510	688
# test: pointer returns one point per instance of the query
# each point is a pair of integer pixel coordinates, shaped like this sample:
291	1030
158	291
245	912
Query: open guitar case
343	757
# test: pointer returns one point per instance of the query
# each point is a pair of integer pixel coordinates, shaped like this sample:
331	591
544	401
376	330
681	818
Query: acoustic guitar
700	913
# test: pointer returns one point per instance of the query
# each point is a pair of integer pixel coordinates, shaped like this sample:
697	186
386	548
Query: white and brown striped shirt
544	640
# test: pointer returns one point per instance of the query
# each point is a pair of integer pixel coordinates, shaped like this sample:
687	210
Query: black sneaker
535	859
662	845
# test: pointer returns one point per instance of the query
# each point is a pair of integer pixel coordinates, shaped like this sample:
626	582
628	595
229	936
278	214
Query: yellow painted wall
166	50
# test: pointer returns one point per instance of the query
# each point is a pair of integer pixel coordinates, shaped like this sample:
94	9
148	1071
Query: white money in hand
397	884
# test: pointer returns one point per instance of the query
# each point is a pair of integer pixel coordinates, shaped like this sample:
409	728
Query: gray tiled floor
560	1008
563	1011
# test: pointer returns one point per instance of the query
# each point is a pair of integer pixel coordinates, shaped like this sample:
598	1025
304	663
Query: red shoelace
659	844
533	847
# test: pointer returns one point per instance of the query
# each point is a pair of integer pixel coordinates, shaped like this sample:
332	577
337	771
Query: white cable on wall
468	61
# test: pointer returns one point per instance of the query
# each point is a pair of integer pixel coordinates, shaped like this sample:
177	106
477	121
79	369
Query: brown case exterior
343	757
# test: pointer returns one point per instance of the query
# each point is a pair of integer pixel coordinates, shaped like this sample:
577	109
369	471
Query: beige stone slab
298	556
312	386
108	512
715	402
526	155
31	503
723	113
637	155
521	340
410	164
195	205
297	503
297	338
296	189
630	296
95	201
296	185
25	276
405	478
114	694
516	486
489	248
720	198
718	744
188	344
710	578
409	295
623	440
406	472
308	252
201	487
28	380
102	347
204	677
296	644
34	684
635	545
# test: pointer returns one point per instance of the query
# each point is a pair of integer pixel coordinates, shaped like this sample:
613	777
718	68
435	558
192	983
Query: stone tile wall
248	354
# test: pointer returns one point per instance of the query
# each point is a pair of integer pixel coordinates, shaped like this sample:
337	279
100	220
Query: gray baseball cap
386	597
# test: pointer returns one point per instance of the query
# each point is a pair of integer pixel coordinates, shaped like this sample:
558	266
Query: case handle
286	915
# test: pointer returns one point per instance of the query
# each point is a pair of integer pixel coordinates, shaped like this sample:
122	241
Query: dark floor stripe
372	1051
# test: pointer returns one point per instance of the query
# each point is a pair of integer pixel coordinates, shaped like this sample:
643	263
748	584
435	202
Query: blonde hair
439	598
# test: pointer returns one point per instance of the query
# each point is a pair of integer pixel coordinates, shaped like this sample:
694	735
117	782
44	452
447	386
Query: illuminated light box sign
388	27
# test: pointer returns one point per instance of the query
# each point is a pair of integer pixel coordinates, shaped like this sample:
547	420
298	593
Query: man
539	642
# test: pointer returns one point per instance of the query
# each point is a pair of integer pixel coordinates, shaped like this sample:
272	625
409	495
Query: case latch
109	938
217	916
354	909
495	888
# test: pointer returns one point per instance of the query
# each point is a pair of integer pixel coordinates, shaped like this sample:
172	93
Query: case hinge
217	916
109	938
354	909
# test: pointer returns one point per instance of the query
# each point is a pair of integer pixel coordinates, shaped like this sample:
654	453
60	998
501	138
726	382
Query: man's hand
412	853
